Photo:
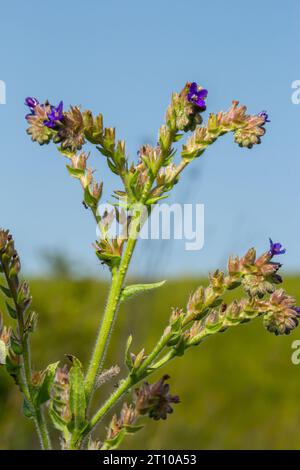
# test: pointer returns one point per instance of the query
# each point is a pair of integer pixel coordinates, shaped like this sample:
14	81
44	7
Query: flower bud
5	334
214	321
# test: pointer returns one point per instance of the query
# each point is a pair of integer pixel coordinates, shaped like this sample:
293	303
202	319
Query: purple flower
276	249
55	115
196	96
264	115
155	399
31	103
297	310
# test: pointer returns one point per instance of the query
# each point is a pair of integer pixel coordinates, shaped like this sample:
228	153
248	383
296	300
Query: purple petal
200	102
202	93
276	248
49	123
193	88
31	102
60	107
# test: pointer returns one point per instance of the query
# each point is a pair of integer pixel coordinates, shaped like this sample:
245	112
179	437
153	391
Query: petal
60	107
202	93
31	102
200	102
193	88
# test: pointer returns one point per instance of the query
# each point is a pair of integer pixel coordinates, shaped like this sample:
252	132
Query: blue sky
124	58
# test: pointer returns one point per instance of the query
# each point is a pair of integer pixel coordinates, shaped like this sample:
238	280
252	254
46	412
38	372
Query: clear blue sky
124	58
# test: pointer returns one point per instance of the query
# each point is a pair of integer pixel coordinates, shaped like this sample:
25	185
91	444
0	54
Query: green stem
129	382
113	300
123	388
42	430
118	277
142	371
110	313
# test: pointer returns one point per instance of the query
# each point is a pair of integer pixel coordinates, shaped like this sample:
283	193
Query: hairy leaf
135	289
77	394
44	390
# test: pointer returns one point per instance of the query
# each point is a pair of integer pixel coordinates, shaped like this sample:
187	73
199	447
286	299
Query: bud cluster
60	397
109	249
18	293
247	129
153	400
128	417
282	314
184	111
92	190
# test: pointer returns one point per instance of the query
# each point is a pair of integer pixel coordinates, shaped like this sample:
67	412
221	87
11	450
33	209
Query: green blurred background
238	390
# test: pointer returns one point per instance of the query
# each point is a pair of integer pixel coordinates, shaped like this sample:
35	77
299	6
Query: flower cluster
109	249
127	418
155	399
184	112
43	119
282	314
207	313
247	130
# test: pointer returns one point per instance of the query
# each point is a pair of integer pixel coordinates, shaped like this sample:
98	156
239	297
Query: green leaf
28	410
6	291
11	367
128	360
116	441
75	172
90	200
11	311
154	200
77	394
135	289
112	166
58	422
15	346
44	391
177	137
130	429
67	153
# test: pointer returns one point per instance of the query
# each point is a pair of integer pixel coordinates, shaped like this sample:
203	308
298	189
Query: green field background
238	390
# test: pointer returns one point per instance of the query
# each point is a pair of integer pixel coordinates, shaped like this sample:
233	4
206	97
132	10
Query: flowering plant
65	392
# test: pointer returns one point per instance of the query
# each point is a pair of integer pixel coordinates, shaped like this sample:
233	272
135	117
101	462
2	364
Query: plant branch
39	418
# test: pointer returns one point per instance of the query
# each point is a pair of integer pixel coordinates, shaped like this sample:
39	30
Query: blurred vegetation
238	390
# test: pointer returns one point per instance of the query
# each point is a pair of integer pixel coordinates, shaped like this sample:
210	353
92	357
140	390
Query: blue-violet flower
276	249
55	115
264	115
196	96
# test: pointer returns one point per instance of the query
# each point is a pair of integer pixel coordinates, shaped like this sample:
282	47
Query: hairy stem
110	313
124	386
131	380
